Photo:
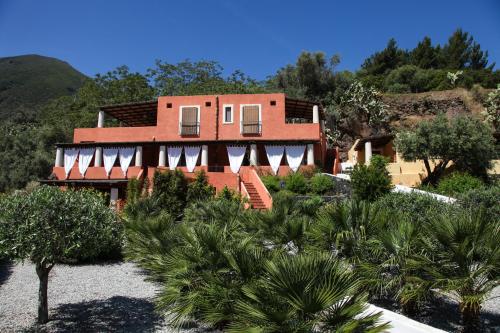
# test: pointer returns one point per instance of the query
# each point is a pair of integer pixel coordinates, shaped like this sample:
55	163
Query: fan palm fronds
305	293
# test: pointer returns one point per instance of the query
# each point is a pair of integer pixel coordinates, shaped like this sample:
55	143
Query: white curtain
84	159
236	155
274	156
191	153
174	155
109	157
126	155
70	155
294	156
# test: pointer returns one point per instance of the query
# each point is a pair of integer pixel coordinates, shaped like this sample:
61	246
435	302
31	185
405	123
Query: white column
98	157
59	157
310	154
113	197
253	155
138	156
162	160
398	158
204	155
315	114
368	152
100	119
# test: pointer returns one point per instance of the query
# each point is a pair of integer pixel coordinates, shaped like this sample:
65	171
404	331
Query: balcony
189	128
251	127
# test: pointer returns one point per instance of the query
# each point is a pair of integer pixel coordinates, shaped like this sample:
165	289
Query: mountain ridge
29	81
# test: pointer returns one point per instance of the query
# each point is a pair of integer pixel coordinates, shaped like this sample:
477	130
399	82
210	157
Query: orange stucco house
231	137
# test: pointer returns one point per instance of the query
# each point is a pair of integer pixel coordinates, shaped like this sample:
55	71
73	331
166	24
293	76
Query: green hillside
29	81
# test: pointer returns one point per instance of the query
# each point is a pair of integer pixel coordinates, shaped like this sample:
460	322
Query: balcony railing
251	127
189	128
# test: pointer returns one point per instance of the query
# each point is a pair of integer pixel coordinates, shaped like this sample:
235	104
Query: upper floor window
250	119
189	120
228	113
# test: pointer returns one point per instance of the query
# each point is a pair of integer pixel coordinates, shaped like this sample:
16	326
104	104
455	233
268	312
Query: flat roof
145	113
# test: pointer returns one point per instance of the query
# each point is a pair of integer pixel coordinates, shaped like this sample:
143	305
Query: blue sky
254	36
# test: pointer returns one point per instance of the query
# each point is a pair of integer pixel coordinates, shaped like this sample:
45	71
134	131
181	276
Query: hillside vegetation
43	99
27	82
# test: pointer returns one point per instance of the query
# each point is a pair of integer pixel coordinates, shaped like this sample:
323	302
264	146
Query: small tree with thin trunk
49	225
463	140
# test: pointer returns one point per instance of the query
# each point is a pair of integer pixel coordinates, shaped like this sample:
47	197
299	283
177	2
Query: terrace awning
296	108
376	140
84	182
134	114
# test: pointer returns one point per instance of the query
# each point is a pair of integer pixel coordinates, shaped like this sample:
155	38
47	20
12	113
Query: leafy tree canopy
49	225
465	141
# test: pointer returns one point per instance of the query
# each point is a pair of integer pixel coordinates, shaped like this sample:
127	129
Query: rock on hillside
406	109
29	81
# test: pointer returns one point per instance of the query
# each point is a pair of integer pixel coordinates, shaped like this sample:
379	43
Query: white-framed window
189	120
228	115
250	118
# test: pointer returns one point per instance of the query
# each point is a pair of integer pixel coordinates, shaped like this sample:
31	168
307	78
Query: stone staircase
255	199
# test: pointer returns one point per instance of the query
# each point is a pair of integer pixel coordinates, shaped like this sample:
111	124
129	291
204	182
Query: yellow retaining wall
406	173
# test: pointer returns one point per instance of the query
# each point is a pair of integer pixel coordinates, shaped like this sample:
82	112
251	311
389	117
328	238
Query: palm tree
464	261
283	227
205	273
385	264
343	227
305	293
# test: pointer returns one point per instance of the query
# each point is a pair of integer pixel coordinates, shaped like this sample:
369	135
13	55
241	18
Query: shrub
228	194
486	198
402	79
169	192
271	182
372	181
321	184
416	206
457	183
200	189
134	190
296	182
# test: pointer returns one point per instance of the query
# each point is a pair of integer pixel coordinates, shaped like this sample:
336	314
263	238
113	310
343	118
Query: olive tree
463	140
49	225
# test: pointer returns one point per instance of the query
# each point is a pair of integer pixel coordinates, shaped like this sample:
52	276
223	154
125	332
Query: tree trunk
434	175
43	275
470	318
429	179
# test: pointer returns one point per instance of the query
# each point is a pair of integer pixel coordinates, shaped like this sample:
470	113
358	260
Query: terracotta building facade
232	138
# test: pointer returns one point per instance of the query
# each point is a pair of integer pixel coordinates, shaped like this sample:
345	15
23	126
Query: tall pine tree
424	55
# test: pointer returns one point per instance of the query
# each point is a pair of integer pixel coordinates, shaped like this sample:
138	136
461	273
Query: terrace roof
134	114
376	140
296	108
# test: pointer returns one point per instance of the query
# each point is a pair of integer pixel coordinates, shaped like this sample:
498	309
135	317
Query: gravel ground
113	297
110	297
443	313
